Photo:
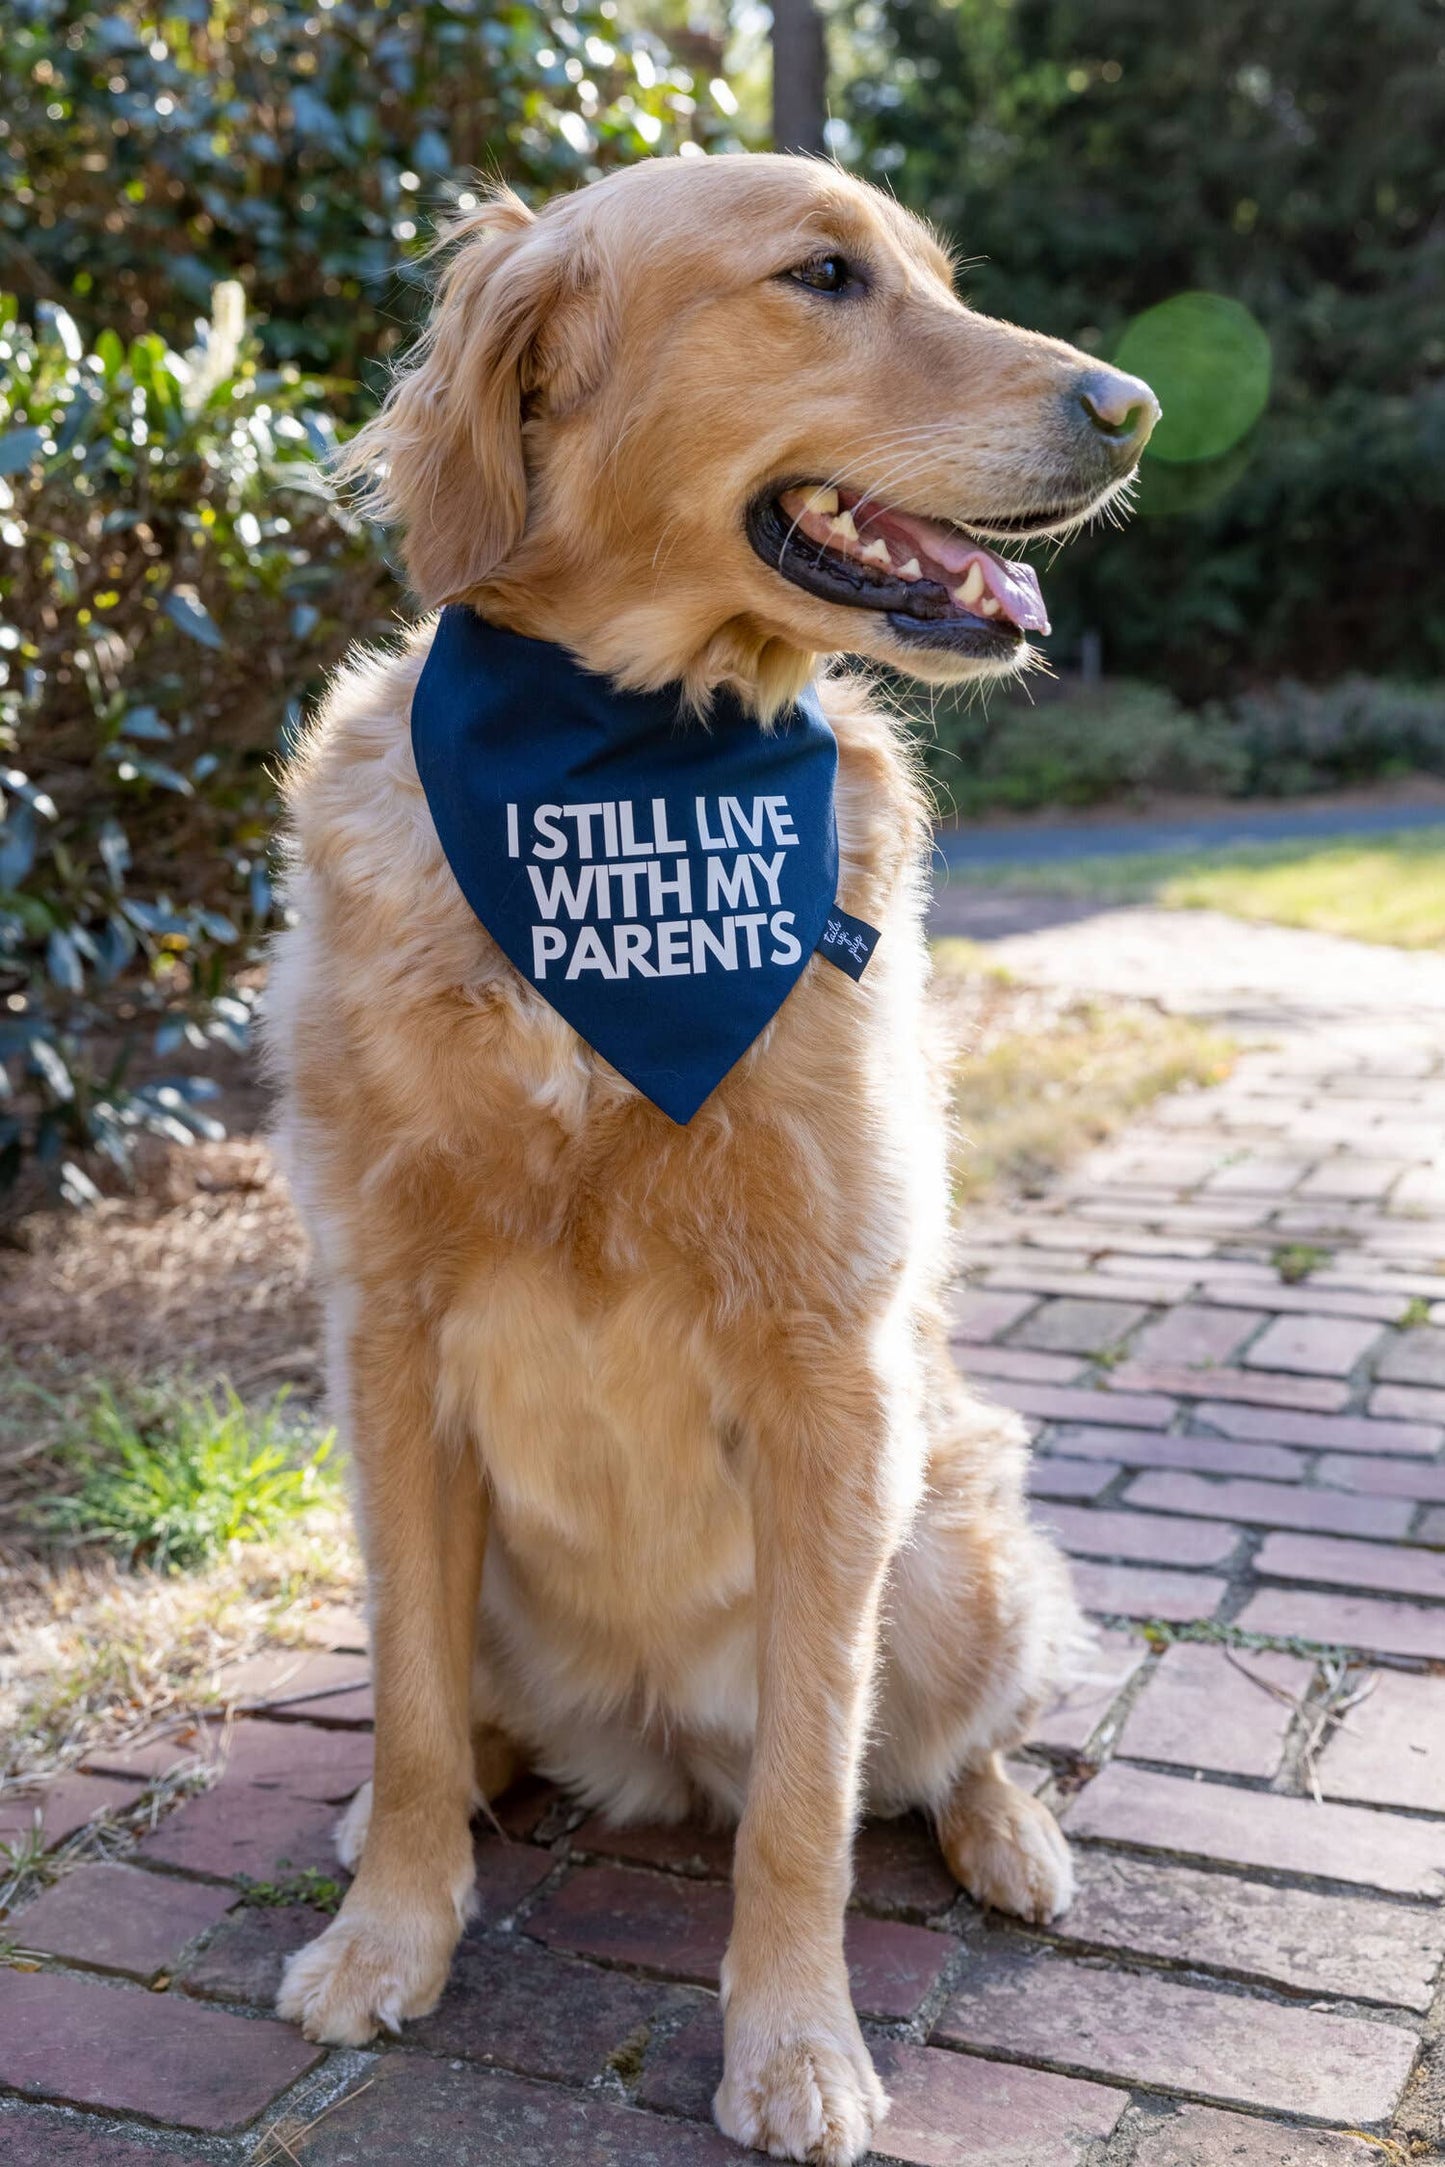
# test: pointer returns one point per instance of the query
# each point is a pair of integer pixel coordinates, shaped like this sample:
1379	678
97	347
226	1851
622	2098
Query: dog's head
708	418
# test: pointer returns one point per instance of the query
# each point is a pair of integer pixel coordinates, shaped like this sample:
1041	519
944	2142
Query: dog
666	1486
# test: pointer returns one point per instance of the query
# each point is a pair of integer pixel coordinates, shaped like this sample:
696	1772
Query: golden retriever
665	1483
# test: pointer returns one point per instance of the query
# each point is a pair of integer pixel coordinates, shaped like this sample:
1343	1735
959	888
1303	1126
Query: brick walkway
1247	1465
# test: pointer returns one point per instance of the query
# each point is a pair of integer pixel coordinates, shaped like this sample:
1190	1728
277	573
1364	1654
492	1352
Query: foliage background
209	217
1094	157
211	214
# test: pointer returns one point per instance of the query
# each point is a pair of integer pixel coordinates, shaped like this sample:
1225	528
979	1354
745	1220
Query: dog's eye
825	274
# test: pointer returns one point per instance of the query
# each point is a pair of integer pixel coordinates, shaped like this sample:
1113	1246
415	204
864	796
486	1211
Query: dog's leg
797	2081
497	1763
981	1631
424	1522
1006	1848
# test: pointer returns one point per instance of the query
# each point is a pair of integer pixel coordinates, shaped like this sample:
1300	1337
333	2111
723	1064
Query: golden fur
666	1485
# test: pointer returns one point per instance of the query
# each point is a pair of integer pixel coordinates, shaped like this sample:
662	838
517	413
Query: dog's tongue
1014	587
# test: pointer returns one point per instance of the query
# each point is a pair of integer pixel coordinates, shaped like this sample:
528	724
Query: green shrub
1093	160
174	1481
1118	739
1112	740
148	151
175	575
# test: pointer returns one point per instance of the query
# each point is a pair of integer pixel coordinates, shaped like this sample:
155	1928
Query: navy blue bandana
661	883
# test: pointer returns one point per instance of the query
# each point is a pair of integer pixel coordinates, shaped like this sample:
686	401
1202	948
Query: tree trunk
800	76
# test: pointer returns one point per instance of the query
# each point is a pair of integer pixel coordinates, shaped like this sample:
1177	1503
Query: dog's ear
512	329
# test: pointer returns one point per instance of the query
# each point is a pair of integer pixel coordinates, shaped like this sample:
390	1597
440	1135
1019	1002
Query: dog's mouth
937	585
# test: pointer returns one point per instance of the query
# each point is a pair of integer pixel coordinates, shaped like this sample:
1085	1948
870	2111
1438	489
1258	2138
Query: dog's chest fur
580	1266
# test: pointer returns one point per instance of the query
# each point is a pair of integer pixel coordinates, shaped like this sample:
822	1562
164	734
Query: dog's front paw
801	2091
1009	1852
365	1972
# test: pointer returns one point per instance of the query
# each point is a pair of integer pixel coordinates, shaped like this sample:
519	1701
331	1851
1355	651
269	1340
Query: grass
1294	1261
163	1534
1042	1077
1389	889
173	1479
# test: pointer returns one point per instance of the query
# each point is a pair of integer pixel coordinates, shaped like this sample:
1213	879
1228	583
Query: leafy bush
1111	740
175	574
148	151
1094	160
177	577
1084	745
175	1481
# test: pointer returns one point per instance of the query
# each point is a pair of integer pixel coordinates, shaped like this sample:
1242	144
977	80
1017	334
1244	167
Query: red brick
1205	2137
1214	1708
1139	1537
63	1806
514	2006
1312	1299
1317	1345
1078	1324
1258	1828
354	1708
1022	1363
1390	1748
1408	1402
1073	1719
948	2110
1346	1621
1353	1176
238	1830
1269	1504
109	1917
1145	2028
1339	1433
1414	1357
1052	1477
279	1677
333	1626
1260	1388
679	1928
1257	1174
1137	1284
1060	1403
159	2055
188	1746
301	1759
1163	1448
682	1847
898	1868
977	1313
1390	1568
1195	1335
244	1959
1381	1477
51	2137
1308	1943
416	2111
1127	1591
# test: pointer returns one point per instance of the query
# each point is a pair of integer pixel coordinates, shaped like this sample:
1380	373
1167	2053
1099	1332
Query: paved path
1248	1466
1054	842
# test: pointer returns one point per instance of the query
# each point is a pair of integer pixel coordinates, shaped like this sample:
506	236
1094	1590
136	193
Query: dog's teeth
972	587
821	500
912	570
988	607
875	553
842	528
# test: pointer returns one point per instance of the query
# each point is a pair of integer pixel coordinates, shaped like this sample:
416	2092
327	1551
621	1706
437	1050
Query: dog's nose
1120	408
